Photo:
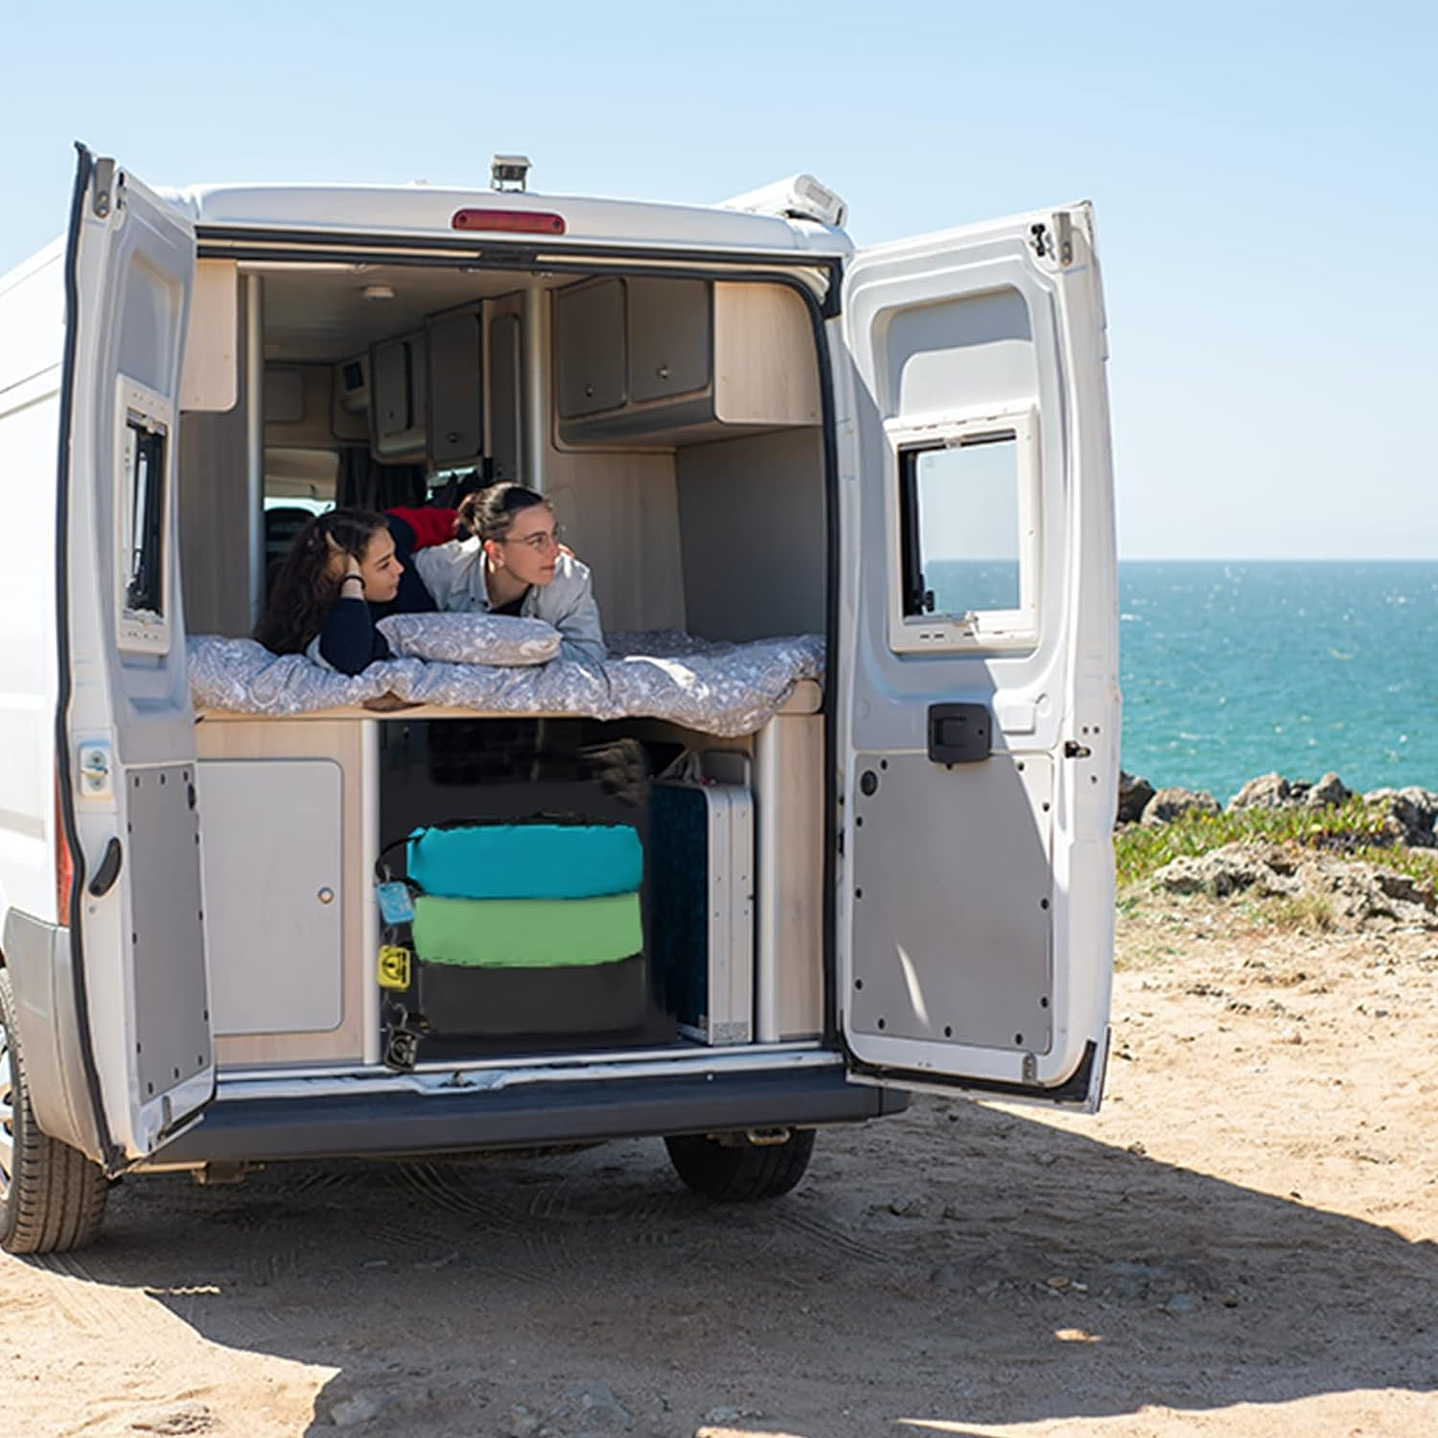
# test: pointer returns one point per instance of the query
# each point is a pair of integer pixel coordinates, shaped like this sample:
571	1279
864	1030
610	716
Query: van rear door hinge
102	188
1058	245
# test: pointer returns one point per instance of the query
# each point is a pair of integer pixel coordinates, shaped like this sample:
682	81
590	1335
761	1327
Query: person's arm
349	641
581	635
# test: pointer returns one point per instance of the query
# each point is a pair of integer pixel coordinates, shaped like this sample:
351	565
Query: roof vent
800	197
508	172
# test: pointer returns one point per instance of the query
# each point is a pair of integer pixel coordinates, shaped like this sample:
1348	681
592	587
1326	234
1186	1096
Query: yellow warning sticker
393	967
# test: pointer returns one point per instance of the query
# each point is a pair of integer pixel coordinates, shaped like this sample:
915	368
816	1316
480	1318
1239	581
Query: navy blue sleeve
349	641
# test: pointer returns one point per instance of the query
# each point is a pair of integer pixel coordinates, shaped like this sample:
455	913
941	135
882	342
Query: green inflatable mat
527	933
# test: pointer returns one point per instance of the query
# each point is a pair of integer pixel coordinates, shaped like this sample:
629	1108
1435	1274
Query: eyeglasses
544	540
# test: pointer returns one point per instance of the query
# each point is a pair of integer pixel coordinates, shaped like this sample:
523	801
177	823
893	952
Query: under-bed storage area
523	905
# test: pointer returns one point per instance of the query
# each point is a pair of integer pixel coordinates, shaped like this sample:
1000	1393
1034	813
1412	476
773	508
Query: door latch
959	733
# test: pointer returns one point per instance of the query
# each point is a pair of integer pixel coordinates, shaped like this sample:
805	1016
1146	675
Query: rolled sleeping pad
527	933
526	861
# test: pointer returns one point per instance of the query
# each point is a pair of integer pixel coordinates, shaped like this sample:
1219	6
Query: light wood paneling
751	521
789	792
243	737
765	370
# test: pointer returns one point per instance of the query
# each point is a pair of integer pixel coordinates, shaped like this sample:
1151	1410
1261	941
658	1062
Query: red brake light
529	222
64	864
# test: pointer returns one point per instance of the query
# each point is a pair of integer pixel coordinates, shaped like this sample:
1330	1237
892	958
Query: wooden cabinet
651	363
456	404
670	338
589	342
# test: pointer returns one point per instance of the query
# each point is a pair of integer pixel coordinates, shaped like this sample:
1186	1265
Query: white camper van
752	432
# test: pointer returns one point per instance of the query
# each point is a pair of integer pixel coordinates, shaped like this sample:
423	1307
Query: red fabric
430	525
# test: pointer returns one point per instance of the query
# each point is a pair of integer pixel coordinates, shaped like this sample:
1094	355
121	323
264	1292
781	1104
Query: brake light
528	222
64	864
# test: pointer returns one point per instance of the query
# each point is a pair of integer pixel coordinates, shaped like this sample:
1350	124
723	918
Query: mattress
721	689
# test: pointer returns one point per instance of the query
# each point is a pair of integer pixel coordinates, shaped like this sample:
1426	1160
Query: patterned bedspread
721	689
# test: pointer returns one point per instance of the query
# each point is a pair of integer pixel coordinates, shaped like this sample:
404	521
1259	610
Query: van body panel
130	760
32	321
39	961
977	659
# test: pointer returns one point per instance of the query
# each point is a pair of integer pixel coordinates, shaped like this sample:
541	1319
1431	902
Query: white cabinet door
273	893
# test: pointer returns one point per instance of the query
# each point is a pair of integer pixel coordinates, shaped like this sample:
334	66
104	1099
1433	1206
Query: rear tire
741	1172
52	1198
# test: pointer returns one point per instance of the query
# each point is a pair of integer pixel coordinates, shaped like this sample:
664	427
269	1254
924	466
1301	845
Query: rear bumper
397	1121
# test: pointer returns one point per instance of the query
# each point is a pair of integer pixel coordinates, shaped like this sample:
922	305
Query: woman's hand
342	564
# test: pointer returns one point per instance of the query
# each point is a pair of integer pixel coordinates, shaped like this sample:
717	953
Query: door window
968	536
964	503
144	470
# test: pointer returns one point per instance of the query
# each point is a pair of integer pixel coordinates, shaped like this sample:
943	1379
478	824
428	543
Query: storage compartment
527	846
663	362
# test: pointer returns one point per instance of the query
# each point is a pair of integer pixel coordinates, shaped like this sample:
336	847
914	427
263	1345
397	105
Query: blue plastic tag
396	903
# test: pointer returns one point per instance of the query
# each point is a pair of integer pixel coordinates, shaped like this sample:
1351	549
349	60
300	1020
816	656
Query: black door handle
108	871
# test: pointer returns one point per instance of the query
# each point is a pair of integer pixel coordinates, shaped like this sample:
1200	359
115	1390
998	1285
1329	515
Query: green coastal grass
1351	831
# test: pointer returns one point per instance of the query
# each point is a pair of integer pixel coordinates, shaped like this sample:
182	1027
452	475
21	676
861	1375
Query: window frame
978	630
151	416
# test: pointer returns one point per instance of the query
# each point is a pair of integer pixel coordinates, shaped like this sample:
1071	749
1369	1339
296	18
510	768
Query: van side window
144	518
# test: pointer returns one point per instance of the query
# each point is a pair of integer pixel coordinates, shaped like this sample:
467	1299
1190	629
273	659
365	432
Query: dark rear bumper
404	1122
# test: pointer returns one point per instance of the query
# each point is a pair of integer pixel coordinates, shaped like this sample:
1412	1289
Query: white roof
419	210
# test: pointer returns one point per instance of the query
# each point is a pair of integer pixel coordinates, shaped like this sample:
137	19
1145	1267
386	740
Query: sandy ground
1242	1243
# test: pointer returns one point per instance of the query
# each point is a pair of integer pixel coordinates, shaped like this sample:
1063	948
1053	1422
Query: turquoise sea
1230	669
1233	668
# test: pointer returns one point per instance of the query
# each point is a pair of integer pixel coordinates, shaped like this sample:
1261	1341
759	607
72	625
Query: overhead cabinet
425	394
658	362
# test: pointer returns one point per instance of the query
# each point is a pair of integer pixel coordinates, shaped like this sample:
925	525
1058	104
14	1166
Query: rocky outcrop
1343	893
1409	815
1273	791
1133	794
1169	804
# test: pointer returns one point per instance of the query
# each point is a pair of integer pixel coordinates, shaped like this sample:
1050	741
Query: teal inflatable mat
526	861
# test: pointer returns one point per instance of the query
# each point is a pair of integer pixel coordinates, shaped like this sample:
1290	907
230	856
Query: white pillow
471	638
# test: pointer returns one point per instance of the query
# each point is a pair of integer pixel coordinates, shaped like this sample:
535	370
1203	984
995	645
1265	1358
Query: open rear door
127	767
978	711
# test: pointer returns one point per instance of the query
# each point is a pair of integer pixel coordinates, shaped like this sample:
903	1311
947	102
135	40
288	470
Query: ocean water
1231	669
1235	668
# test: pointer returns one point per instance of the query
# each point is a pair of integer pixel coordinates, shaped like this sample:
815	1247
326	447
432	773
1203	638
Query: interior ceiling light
378	292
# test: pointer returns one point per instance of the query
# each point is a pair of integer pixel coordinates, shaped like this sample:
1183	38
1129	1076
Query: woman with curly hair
343	571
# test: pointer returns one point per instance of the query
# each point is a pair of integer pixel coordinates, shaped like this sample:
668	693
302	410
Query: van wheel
51	1196
741	1172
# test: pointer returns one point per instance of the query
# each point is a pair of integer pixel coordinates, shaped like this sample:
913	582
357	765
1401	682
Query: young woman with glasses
509	558
349	567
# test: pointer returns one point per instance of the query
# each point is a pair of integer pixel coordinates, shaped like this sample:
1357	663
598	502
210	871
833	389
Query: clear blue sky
1265	176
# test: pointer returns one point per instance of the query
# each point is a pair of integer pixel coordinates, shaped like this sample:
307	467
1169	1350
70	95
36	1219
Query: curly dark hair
304	589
